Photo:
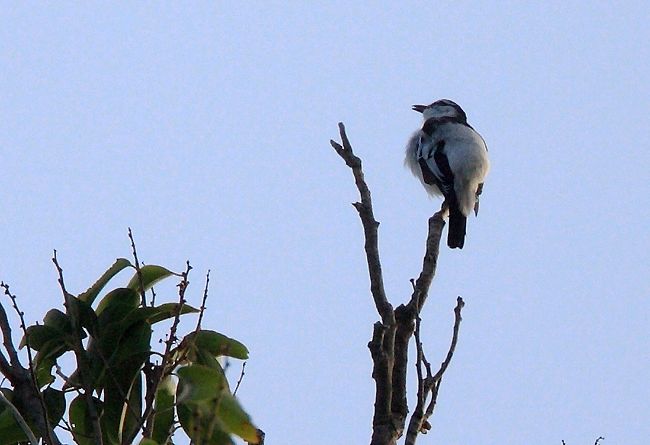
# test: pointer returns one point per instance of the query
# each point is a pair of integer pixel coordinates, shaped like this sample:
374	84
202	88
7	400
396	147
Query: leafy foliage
124	388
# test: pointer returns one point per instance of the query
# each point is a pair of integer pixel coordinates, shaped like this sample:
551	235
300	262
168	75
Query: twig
137	269
59	372
430	260
30	358
598	440
205	298
157	373
8	368
241	377
148	368
437	378
182	287
82	361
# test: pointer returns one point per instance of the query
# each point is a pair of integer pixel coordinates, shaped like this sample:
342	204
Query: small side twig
10	367
241	377
430	385
203	301
137	269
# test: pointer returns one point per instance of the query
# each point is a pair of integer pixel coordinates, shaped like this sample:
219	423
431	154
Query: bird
450	159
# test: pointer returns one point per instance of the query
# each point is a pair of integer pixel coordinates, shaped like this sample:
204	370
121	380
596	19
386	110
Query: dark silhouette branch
203	301
406	315
28	399
370	226
241	377
9	368
391	336
138	271
429	386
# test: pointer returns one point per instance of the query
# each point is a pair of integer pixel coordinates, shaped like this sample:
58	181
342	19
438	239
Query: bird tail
457	227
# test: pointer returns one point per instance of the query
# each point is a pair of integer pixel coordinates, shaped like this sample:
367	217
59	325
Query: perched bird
450	158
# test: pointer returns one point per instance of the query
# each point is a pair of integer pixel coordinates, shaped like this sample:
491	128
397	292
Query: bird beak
419	108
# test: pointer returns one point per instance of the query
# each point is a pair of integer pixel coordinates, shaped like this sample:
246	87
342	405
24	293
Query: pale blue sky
205	128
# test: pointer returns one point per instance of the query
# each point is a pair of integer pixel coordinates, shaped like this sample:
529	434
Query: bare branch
370	226
11	366
430	261
416	424
137	270
205	298
241	377
391	336
437	378
406	315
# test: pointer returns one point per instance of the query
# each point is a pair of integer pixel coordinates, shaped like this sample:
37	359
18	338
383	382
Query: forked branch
391	336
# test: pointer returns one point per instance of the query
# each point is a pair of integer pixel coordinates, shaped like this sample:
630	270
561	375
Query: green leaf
90	295
82	427
151	274
10	430
203	357
123	378
58	320
218	344
164	409
159	313
198	427
199	384
55	404
117	304
86	314
44	367
236	420
132	412
148	442
54	338
207	405
38	335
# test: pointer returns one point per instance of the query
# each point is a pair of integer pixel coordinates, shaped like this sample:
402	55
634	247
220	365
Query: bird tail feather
457	228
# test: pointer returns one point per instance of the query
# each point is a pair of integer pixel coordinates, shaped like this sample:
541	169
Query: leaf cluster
121	388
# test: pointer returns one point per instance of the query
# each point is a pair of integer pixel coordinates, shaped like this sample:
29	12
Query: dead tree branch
391	336
370	226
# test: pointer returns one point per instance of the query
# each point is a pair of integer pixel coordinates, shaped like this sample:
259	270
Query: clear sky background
205	128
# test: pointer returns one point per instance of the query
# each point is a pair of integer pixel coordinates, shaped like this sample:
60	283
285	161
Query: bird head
441	108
